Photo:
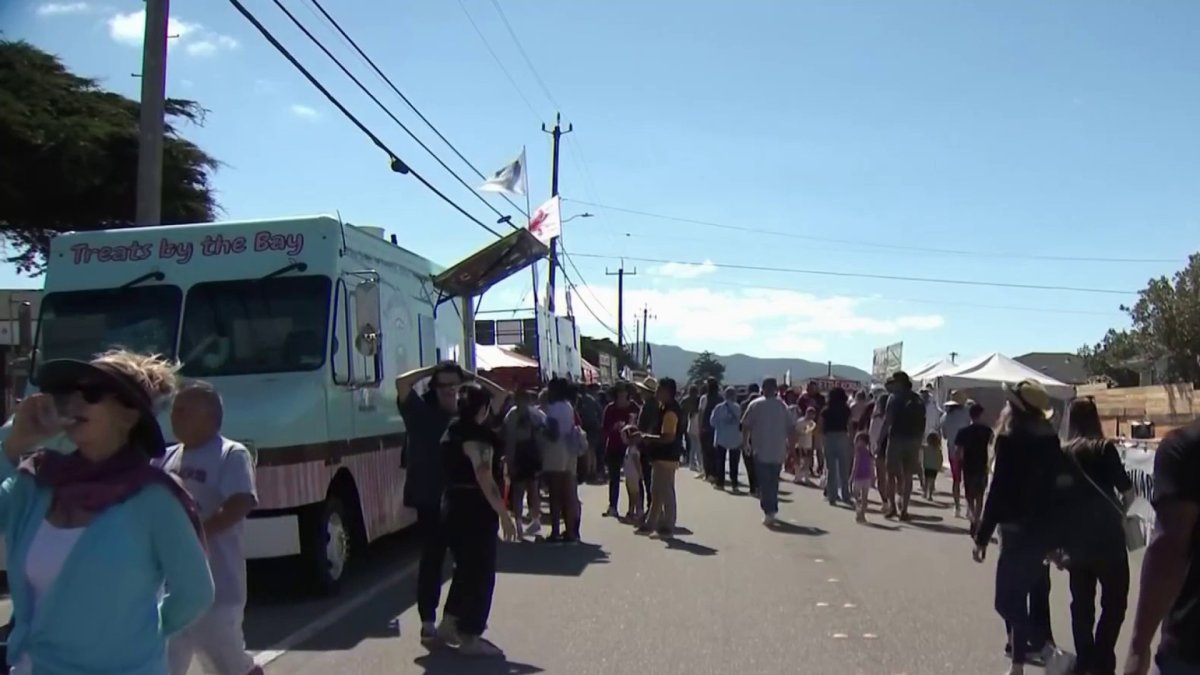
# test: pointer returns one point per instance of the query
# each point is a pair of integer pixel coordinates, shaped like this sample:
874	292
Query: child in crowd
633	475
931	460
806	427
862	473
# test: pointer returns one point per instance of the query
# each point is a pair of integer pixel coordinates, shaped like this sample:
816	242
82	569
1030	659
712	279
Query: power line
588	287
899	247
573	287
529	62
496	58
863	275
398	165
338	27
389	113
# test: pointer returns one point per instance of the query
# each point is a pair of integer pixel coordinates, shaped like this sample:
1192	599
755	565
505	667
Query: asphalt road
818	595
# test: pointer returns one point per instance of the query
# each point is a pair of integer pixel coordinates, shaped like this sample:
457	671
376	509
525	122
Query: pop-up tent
932	370
995	369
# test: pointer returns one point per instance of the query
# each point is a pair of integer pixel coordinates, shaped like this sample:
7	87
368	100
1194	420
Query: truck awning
490	265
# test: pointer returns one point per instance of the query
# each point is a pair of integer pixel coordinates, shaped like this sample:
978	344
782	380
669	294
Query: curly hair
154	373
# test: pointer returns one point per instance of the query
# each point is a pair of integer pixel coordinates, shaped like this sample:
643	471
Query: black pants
471	527
751	472
1096	641
1023	594
712	468
613	462
720	453
433	558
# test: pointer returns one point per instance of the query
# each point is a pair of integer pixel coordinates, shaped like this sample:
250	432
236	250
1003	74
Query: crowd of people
129	552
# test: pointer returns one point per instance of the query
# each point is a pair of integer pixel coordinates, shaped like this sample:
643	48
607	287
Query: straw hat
1029	395
649	384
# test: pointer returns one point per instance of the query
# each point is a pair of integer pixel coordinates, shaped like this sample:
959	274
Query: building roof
1062	366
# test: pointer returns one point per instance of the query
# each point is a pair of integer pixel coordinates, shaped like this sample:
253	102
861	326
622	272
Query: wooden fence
1168	406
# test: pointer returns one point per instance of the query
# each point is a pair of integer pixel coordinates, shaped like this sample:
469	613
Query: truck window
255	326
81	324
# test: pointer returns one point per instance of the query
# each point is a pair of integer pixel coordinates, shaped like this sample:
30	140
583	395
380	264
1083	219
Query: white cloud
684	270
304	112
60	8
759	321
128	29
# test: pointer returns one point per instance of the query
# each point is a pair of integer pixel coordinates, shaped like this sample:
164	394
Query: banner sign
1139	464
886	360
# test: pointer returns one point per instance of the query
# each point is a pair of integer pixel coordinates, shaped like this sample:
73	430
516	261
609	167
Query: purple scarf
95	486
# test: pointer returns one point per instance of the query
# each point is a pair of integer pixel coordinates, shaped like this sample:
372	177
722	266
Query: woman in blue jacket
93	536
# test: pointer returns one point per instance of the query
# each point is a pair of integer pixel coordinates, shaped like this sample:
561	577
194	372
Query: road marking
869	636
840	636
849	605
820	560
822	604
307	632
832	580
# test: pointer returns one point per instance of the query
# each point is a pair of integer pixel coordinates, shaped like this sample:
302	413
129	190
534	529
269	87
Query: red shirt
614	420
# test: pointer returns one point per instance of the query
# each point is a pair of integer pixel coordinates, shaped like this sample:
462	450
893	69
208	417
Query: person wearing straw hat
647	422
1024	504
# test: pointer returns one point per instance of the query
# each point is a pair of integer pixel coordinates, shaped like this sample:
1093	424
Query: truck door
357	356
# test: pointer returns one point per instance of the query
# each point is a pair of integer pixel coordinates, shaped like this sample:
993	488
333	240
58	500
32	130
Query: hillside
671	361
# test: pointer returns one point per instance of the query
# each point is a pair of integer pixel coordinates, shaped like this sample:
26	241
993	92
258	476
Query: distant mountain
672	361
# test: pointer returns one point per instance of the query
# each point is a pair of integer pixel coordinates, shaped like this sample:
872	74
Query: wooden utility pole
556	134
150	126
620	274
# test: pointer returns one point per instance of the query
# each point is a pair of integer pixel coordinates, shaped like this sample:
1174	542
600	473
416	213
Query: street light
578	215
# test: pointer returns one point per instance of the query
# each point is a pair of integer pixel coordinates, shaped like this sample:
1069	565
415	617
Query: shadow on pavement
689	547
938	526
549	559
784	527
446	662
881	526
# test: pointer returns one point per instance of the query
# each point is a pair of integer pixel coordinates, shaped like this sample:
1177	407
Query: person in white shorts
220	475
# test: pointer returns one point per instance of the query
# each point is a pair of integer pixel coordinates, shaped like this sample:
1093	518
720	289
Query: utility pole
646	316
150	127
556	135
953	355
620	274
637	341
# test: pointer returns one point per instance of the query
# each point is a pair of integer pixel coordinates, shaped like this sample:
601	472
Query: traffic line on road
336	613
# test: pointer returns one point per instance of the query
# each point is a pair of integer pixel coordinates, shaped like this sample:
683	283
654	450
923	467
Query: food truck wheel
326	544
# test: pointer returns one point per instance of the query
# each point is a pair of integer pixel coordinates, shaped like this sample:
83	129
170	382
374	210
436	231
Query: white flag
546	222
508	180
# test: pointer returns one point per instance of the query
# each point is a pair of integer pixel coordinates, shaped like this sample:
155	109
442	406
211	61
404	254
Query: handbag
1135	533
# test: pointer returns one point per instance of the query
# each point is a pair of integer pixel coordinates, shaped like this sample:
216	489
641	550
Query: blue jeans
837	466
768	485
1172	666
1022	579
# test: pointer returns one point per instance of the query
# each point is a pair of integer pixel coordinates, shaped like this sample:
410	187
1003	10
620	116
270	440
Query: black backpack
909	421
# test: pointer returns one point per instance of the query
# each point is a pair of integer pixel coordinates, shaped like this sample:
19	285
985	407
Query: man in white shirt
768	430
219	473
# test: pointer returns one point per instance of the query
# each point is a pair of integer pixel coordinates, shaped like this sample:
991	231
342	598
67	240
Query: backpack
909	421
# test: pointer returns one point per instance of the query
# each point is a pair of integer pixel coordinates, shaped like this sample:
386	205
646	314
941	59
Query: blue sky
1006	130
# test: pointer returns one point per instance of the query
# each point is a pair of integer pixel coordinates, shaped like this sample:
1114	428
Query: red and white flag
546	222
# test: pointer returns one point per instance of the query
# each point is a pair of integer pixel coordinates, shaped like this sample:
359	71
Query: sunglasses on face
91	392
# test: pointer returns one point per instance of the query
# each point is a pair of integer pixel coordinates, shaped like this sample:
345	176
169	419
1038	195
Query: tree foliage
1112	358
590	348
1166	331
705	366
68	156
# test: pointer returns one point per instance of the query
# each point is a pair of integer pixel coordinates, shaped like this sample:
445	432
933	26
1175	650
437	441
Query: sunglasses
91	392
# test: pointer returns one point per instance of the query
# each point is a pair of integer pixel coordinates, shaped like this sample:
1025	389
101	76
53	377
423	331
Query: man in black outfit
425	421
1170	593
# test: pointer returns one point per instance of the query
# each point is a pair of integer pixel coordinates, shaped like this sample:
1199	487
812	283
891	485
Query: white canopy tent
995	369
492	357
932	370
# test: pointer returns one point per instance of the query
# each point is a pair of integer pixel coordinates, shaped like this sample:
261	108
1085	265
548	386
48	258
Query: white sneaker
447	631
474	645
1015	669
769	519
